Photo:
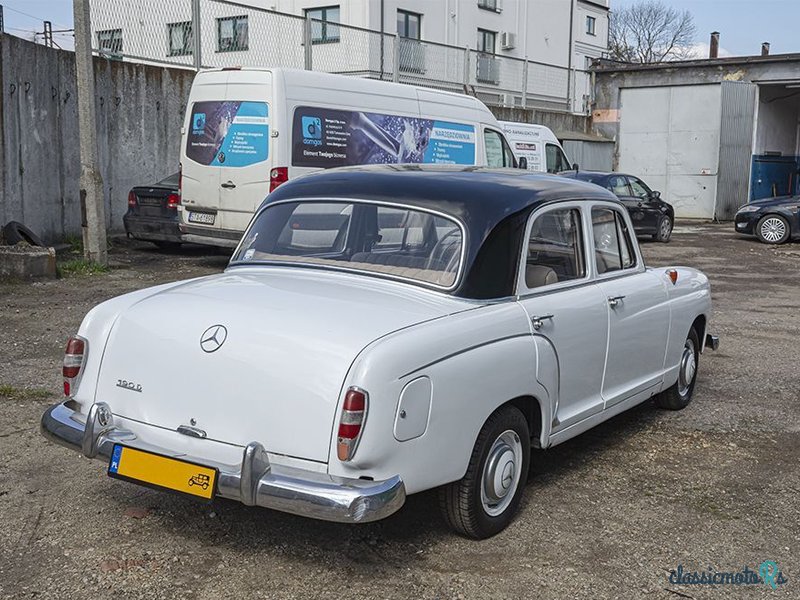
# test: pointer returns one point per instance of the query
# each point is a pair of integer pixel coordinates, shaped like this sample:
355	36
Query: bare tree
650	32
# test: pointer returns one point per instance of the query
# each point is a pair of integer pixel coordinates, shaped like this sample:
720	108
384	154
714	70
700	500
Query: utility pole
93	207
2	25
48	34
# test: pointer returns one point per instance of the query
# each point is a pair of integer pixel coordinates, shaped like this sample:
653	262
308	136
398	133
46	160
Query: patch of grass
75	244
80	266
15	393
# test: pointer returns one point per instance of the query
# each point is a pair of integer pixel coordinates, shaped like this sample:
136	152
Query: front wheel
773	229
486	499
679	395
664	230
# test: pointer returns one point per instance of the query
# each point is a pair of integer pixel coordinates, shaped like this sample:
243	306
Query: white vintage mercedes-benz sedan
381	331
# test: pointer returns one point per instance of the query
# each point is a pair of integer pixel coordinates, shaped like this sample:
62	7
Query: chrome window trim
346	200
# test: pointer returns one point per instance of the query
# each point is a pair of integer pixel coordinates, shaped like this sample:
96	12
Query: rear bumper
210	237
152	229
254	482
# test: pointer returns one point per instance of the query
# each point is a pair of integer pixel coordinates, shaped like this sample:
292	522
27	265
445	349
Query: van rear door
244	158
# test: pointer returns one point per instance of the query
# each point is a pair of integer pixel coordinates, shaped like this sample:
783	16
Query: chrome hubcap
501	473
773	229
688	368
666	228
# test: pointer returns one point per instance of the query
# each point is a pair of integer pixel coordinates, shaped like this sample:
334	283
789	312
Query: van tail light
72	368
173	200
131	199
351	423
277	176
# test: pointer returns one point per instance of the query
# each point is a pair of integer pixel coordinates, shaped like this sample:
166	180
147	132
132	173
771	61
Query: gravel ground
606	515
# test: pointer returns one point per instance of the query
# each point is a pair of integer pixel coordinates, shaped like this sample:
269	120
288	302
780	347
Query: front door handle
538	322
229	185
615	300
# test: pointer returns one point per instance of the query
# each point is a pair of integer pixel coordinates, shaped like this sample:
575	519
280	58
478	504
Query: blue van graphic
198	123
312	128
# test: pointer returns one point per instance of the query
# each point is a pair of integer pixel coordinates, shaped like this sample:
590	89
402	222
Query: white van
246	131
537	145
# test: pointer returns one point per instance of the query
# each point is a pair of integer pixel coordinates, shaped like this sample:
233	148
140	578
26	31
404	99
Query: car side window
556	160
618	186
498	153
613	248
555	248
639	189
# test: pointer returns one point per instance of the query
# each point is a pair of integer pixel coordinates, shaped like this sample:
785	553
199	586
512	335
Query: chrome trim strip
255	482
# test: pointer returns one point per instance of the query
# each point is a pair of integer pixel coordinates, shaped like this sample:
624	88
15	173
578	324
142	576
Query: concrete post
197	47
525	83
93	204
396	59
307	43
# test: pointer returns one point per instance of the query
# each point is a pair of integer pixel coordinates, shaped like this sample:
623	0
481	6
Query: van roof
300	77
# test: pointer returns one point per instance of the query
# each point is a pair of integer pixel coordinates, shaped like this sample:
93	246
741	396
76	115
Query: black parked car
772	220
153	213
649	213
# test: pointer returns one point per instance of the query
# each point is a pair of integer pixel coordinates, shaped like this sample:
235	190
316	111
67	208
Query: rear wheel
773	229
664	230
679	395
486	499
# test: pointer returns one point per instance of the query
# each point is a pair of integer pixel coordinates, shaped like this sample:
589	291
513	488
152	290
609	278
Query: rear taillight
72	368
173	200
351	423
131	199
277	176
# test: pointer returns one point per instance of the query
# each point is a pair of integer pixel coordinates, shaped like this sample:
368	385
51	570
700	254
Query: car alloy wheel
501	473
773	229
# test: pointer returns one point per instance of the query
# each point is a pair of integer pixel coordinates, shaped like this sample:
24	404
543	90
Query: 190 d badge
213	338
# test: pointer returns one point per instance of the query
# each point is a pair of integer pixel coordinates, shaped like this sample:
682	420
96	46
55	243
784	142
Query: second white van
246	131
538	145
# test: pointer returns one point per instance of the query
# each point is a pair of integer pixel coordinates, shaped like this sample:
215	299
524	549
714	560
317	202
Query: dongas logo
312	130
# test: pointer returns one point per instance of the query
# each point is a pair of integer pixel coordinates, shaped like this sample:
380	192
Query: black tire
773	229
168	245
663	230
15	232
679	395
461	501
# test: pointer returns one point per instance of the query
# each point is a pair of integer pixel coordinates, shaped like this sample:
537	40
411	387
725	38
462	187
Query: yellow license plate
163	472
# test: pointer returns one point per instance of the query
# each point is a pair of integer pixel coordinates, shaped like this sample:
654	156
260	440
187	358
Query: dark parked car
649	213
153	213
772	220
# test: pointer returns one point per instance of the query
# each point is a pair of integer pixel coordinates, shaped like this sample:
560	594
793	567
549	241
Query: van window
556	160
326	137
228	133
498	154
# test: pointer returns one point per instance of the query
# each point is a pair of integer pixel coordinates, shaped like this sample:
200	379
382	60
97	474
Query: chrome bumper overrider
712	341
255	482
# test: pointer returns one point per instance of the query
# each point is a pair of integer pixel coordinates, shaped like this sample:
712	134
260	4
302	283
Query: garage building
711	135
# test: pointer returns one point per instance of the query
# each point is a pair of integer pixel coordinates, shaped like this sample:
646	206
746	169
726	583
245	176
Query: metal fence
238	34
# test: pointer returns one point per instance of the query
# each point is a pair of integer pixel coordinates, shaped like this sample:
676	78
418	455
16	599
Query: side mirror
575	167
522	163
654	195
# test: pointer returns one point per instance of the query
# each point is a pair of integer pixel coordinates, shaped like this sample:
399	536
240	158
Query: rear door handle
538	322
229	185
615	300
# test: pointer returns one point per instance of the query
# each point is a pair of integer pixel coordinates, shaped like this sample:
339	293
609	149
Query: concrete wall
139	116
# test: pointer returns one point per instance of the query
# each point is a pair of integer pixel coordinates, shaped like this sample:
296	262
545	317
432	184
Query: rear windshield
397	242
228	133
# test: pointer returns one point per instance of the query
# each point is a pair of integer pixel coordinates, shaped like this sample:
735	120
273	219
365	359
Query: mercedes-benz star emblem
213	338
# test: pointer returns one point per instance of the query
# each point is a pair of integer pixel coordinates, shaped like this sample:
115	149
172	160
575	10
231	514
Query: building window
494	5
232	34
110	41
325	24
179	38
409	24
591	24
486	41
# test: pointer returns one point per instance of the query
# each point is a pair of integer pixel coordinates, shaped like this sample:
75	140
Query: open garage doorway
776	149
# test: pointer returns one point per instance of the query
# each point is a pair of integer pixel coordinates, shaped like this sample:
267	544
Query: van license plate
199	217
155	470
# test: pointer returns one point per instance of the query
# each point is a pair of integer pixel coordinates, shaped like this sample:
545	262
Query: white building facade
510	52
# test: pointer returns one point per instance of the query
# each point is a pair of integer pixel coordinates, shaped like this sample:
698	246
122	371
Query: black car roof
493	204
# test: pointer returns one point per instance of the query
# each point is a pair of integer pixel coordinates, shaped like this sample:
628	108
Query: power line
6	7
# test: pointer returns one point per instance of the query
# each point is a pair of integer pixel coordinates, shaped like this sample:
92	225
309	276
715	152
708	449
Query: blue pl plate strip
113	467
